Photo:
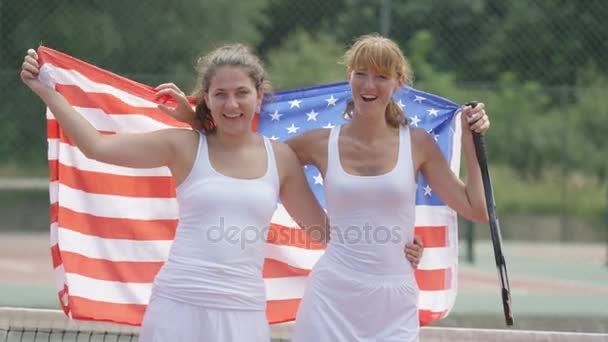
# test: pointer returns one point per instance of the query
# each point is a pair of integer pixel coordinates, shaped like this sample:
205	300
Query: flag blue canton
288	113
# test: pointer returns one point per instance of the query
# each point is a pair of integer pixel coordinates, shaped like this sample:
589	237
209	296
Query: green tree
151	42
284	17
306	60
590	124
544	41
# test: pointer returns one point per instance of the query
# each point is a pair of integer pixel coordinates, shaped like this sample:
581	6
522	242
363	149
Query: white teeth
232	116
368	98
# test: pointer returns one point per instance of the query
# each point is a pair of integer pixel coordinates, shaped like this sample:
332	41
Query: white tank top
371	217
217	256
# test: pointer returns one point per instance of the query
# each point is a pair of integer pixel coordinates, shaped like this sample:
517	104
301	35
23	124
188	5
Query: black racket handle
480	152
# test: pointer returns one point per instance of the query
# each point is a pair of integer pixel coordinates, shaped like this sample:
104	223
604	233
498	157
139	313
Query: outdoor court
554	286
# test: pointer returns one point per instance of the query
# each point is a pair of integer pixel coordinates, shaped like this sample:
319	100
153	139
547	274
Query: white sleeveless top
371	217
217	256
363	288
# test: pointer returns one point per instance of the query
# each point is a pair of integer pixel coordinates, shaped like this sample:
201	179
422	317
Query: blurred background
539	66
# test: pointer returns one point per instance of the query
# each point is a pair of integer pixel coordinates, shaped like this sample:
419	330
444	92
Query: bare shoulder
313	136
286	160
180	136
310	145
421	139
424	147
283	152
419	135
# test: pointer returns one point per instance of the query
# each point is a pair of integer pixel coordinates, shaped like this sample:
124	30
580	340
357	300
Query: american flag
112	227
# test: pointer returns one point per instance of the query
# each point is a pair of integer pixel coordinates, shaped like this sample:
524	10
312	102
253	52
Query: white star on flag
292	129
435	136
295	103
329	125
331	101
318	179
433	111
274	138
415	120
427	190
419	99
276	116
401	104
312	115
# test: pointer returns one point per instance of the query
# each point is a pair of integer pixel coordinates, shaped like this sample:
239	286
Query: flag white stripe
109	122
456	145
53	151
281	217
435	300
118	206
433	215
293	256
426	215
72	156
53	191
54	234
157	250
60	277
435	258
285	288
108	291
113	249
72	77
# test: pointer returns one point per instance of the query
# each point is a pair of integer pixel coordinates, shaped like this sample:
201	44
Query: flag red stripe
255	122
87	309
110	104
432	280
427	317
279	311
120	185
53	170
144	272
433	236
52	129
62	137
121	271
278	269
54	213
117	228
294	237
56	255
96	74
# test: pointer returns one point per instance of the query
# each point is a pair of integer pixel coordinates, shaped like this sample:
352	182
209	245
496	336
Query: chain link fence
539	66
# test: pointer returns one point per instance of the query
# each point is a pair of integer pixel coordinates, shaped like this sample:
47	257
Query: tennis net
34	325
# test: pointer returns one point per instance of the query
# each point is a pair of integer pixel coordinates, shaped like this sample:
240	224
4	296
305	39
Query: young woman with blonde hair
364	290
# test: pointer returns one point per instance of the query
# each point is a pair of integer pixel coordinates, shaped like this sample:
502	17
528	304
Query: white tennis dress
211	287
363	287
